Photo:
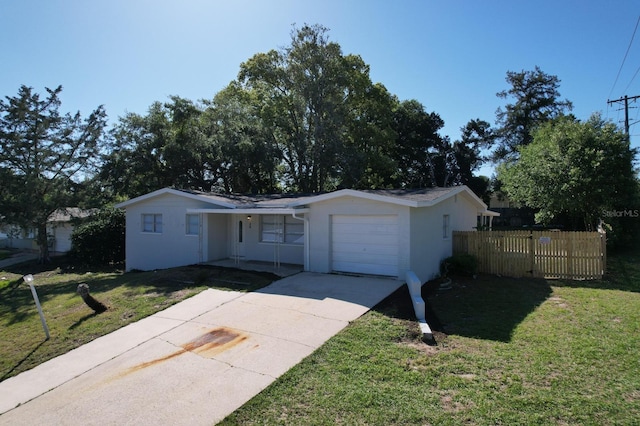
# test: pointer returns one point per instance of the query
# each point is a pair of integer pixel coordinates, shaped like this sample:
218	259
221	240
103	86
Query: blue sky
452	56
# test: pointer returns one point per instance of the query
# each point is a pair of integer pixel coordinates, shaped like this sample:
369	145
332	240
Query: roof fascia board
455	191
312	199
177	192
357	194
472	194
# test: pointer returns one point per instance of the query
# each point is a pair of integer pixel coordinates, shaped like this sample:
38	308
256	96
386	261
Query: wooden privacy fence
542	254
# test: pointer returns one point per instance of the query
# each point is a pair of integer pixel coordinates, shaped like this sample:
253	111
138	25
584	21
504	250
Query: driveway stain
215	341
206	345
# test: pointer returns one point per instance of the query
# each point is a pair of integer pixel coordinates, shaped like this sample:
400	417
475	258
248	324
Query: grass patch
510	351
4	254
129	296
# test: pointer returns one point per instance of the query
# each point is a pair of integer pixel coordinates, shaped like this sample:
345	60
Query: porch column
305	249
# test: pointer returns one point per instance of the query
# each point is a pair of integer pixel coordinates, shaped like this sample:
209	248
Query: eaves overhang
249	211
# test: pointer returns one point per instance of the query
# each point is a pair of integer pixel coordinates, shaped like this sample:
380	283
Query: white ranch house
379	232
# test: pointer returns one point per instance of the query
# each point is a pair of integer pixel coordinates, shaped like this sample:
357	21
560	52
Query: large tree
477	136
424	158
318	105
366	160
169	146
535	100
248	154
43	156
304	118
572	169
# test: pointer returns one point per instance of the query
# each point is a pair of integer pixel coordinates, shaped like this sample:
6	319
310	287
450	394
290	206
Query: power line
634	76
625	57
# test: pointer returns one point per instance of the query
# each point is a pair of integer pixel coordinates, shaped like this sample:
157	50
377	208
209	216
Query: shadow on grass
484	308
22	361
16	300
83	319
491	307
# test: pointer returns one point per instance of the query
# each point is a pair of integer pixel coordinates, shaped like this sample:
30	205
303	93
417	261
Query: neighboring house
59	229
512	215
380	232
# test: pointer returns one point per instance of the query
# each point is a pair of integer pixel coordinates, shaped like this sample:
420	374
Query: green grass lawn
509	351
4	254
129	296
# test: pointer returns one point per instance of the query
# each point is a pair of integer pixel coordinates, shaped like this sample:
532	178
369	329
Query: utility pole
626	100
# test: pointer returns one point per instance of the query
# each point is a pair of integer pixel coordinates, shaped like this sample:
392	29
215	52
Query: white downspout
200	243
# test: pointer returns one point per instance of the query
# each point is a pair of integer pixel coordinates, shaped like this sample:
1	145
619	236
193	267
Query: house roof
207	197
254	201
407	197
230	201
68	213
275	202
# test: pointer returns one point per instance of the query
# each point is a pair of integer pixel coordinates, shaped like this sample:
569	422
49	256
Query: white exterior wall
22	243
17	238
320	228
216	237
466	218
428	247
172	247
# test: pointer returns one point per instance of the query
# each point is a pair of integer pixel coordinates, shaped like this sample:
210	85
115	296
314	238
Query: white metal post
29	280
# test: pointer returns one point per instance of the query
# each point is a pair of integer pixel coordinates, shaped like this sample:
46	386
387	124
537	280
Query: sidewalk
18	258
195	362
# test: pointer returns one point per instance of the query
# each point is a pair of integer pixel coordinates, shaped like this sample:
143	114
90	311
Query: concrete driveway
195	362
18	257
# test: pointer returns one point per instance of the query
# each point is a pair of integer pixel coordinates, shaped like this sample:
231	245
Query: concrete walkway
19	257
195	362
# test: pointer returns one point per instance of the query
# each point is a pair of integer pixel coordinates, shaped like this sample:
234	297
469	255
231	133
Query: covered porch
485	220
271	240
281	270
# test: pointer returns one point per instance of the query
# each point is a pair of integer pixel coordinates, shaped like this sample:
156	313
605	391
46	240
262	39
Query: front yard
510	351
4	253
72	323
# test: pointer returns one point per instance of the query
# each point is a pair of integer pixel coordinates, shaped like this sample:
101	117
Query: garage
365	244
62	235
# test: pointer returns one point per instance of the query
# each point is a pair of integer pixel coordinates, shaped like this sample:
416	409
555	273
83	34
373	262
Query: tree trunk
43	244
83	291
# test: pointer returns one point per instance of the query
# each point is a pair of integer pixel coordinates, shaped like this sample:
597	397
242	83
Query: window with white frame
152	223
446	225
193	224
281	229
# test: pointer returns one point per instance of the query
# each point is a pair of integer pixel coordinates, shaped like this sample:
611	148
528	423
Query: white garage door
62	235
365	244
